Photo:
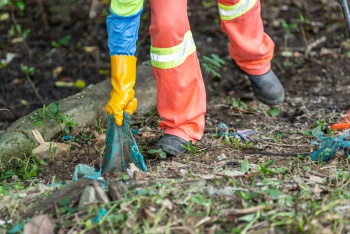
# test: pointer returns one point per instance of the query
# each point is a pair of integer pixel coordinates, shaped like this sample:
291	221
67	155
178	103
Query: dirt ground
85	56
311	59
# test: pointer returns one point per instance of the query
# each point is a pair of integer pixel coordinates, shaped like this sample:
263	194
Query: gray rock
87	198
83	108
13	144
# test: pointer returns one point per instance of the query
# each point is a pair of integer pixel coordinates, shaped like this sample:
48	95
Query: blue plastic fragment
68	137
121	148
223	130
329	145
245	134
224	127
84	171
140	191
102	212
18	228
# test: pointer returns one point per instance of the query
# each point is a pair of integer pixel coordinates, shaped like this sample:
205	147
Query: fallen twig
244	211
284	145
313	45
276	153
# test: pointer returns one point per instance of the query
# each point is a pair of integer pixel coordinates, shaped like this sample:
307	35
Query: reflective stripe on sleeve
166	58
234	11
126	7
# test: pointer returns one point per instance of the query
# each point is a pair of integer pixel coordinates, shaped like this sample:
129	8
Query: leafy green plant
265	168
27	168
16	29
273	111
158	152
6	188
288	27
189	147
323	154
61	42
29	71
241	145
318	128
52	111
65	206
238	103
98	124
245	166
212	64
288	32
302	28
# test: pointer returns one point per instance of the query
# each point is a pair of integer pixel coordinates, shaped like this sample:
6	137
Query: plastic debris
84	171
245	134
141	191
223	130
16	229
68	137
224	127
102	212
344	122
7	222
121	147
328	146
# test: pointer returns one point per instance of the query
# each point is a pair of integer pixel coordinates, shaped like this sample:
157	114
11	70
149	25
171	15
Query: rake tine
347	151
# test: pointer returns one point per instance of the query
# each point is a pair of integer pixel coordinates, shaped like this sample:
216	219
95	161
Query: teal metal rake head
121	148
328	146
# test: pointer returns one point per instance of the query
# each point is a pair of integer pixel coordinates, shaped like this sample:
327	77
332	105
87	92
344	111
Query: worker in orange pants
181	98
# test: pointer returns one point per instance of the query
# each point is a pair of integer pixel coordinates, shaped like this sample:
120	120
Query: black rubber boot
267	88
170	144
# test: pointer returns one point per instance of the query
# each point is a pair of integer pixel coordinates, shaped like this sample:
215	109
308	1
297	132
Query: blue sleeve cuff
123	33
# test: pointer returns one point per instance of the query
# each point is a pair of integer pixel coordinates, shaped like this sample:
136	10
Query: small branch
244	211
283	145
313	45
276	153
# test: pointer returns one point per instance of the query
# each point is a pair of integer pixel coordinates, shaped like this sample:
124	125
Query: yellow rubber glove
123	78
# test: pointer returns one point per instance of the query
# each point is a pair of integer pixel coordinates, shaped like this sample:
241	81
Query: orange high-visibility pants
250	47
181	98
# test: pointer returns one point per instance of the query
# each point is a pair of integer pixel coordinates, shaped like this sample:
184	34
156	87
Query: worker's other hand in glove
123	78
